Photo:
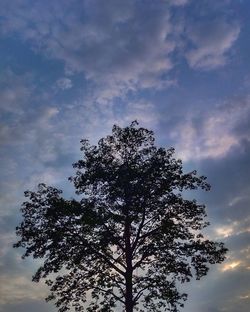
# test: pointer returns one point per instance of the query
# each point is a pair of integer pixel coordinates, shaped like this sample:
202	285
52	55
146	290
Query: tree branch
108	261
109	293
107	258
134	245
139	294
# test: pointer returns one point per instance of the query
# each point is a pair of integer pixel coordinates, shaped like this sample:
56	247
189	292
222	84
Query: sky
70	69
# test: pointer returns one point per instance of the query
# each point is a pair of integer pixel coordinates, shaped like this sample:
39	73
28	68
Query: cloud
15	288
142	111
119	46
231	265
211	42
229	176
28	305
113	44
19	289
31	142
178	2
220	291
30	127
64	83
213	133
14	92
22	108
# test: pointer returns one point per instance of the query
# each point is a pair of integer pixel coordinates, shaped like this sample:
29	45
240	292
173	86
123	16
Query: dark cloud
229	177
220	291
239	242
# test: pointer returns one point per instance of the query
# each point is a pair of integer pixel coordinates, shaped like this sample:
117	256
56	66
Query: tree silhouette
130	239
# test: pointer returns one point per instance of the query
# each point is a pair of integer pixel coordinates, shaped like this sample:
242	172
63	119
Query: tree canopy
130	238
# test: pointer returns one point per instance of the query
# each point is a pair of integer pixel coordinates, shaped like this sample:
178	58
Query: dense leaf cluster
132	236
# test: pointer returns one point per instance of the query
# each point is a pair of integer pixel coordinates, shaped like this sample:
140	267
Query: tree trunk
129	268
129	290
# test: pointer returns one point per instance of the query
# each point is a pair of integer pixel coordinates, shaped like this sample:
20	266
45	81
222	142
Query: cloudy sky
70	69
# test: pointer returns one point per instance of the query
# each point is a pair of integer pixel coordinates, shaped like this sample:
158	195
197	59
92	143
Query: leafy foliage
130	239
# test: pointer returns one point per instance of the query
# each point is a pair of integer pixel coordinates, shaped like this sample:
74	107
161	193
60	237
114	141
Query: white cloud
244	297
64	83
120	46
230	265
224	231
20	288
212	40
215	134
142	111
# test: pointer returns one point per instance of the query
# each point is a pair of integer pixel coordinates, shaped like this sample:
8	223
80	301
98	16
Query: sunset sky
70	69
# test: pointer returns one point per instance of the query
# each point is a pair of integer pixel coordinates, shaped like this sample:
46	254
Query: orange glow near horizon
231	266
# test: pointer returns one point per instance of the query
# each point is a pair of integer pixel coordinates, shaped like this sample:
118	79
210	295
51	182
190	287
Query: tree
130	239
